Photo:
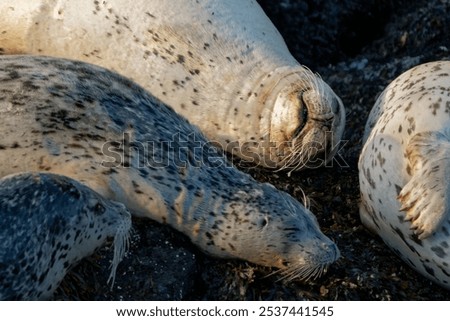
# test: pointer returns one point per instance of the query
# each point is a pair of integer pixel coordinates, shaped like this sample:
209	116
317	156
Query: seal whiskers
230	72
305	269
304	272
101	129
120	245
313	134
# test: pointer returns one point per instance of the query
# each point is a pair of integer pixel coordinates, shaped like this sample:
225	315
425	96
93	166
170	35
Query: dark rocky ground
358	46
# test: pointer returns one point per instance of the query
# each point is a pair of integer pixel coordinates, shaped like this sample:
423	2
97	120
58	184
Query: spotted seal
221	64
99	128
48	223
404	169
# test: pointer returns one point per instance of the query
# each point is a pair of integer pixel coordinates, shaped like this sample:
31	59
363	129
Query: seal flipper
425	198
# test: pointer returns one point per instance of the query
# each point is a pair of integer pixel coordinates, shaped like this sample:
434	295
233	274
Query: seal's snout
335	105
333	250
122	212
327	252
337	108
310	261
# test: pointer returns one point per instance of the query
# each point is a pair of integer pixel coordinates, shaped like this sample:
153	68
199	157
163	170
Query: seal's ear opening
263	222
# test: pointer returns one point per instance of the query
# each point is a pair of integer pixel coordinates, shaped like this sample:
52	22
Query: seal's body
92	125
404	169
48	223
221	64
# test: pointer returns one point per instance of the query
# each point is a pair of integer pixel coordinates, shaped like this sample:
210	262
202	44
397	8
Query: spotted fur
404	169
221	64
101	129
48	223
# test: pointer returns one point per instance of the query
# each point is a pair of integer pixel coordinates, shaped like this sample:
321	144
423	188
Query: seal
220	64
404	169
101	129
49	223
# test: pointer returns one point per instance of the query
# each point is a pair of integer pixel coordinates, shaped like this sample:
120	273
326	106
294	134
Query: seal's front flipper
426	197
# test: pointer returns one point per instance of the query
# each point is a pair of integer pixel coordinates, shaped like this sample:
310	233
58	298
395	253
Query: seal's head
49	223
270	228
307	122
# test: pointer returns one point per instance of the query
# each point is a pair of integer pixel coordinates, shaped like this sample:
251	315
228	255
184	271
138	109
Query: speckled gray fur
48	223
71	118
